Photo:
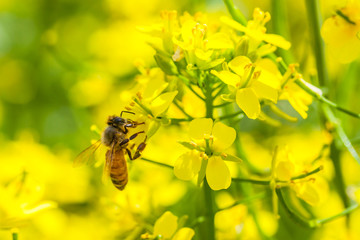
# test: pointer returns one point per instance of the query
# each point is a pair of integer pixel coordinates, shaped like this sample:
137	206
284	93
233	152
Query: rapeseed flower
256	31
341	32
166	227
250	83
206	157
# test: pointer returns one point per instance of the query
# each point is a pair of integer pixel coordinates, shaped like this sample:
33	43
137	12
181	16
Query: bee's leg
137	154
126	140
132	125
126	112
139	149
135	135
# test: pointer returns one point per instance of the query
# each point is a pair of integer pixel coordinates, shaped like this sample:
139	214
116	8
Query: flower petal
161	103
227	77
247	100
200	128
217	174
264	91
238	64
187	165
184	234
166	225
224	136
219	41
277	40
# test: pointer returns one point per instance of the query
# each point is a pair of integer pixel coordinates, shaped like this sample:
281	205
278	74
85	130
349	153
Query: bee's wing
110	154
87	156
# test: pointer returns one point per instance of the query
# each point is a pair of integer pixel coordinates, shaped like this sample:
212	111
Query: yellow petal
219	41
308	193
224	136
184	234
247	100
187	165
230	22
277	40
264	91
284	170
270	74
200	128
217	174
166	225
238	64
161	103
203	55
227	77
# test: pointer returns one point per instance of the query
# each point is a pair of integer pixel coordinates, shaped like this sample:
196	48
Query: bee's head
117	122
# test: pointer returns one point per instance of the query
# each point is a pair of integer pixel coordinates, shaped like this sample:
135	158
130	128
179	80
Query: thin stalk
267	182
231	115
222	105
15	236
340	132
347	211
157	163
188	84
182	110
315	21
314	223
210	213
208	193
279	21
235	13
244	201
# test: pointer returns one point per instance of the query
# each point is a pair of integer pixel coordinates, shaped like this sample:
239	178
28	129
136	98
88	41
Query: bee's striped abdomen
118	171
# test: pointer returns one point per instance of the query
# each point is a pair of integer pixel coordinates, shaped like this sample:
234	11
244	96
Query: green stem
347	211
267	182
188	84
222	105
315	21
244	201
279	21
182	110
208	194
239	113
235	13
210	213
340	132
307	87
15	236
315	222
157	163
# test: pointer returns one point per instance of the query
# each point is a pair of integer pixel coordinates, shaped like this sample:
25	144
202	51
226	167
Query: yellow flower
285	168
251	83
341	32
166	227
297	97
152	101
20	201
207	158
256	30
197	49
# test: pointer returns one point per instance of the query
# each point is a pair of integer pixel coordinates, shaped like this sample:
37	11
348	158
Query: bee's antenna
126	112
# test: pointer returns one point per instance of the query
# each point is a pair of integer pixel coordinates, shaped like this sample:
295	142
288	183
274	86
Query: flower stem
244	201
210	213
315	222
315	21
267	182
15	236
235	13
208	194
157	163
182	110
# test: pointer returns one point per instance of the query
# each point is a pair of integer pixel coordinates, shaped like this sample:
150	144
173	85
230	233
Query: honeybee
115	138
